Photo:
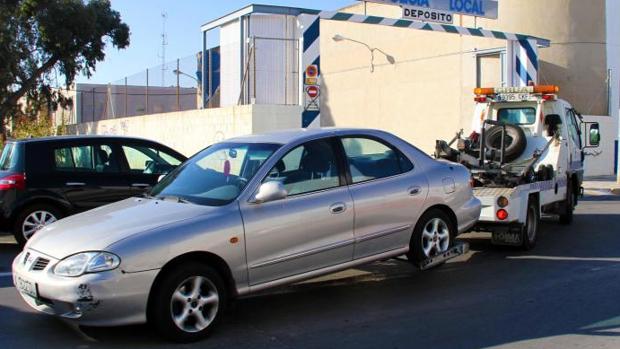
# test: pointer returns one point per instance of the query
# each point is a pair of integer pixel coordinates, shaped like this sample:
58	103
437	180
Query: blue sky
183	27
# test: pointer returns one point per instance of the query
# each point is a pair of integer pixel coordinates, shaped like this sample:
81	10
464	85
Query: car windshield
216	176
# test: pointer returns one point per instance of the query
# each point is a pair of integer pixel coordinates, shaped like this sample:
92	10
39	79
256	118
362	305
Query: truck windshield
215	176
517	116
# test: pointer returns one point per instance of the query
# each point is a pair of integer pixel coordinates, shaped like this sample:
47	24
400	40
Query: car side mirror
160	178
270	191
594	139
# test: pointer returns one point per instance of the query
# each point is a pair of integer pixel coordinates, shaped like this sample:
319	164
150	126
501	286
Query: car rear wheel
32	219
566	217
433	235
187	303
530	230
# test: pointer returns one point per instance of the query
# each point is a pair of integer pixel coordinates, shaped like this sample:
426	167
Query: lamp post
390	58
179	72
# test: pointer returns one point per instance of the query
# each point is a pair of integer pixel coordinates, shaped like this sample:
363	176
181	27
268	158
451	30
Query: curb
611	191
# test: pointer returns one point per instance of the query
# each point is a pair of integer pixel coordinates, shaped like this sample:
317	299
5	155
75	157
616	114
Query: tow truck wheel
530	230
566	217
433	234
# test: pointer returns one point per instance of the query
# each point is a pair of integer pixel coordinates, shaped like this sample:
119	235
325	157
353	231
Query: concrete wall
191	131
427	94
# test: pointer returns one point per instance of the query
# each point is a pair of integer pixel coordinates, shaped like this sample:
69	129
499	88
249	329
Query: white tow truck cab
526	155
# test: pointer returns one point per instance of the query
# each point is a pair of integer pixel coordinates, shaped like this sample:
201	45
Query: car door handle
338	208
413	191
140	185
75	184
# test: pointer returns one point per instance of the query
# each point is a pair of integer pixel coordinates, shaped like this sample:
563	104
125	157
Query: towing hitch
458	250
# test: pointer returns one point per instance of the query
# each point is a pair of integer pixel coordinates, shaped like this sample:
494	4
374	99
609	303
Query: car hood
99	228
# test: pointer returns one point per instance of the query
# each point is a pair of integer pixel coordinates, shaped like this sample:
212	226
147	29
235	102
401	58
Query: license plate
512	97
26	287
509	238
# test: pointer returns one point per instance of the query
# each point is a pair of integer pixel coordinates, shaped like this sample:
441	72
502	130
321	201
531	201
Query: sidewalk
602	184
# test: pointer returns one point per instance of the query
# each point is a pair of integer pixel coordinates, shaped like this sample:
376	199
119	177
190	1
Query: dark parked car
45	179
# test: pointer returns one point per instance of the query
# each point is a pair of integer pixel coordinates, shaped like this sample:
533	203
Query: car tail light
16	181
502	215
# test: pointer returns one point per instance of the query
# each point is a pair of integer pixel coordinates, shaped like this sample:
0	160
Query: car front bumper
112	298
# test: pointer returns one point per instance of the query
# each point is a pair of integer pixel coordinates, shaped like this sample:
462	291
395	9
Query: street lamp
178	72
390	58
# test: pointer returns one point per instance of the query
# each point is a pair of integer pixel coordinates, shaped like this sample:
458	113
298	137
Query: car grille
40	264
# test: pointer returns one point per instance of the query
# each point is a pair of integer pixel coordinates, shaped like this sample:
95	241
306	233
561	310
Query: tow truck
526	156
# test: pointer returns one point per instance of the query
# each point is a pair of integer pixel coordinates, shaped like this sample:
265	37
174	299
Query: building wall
613	62
230	50
190	131
427	94
93	102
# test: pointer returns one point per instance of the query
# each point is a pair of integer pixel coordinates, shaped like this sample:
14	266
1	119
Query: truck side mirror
594	139
552	121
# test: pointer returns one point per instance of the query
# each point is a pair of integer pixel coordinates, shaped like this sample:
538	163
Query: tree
42	40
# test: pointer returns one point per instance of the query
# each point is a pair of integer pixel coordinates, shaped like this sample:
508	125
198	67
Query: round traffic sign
312	91
312	71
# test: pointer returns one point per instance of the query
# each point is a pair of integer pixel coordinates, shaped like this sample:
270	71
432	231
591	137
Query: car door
145	162
388	193
312	228
88	173
575	148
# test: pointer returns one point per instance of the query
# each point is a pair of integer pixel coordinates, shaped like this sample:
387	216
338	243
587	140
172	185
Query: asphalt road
563	294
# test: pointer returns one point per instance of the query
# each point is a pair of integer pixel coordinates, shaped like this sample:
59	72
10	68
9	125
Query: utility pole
164	43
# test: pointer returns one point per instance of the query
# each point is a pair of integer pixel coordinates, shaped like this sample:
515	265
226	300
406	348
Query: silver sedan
242	216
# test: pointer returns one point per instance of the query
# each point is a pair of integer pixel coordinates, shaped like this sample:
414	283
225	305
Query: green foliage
26	127
41	40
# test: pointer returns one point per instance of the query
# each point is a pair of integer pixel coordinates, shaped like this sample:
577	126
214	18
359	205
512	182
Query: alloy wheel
194	304
35	222
435	237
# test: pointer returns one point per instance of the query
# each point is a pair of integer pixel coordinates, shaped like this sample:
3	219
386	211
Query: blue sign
477	8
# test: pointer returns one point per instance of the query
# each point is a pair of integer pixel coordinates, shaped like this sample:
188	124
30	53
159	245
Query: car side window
573	128
86	158
370	159
147	160
310	167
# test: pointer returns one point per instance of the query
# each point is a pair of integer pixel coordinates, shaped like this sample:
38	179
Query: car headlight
87	262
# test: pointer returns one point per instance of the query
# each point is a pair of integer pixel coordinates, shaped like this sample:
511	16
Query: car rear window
10	158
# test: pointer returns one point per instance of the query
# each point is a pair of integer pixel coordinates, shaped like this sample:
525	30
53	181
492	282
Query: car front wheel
187	303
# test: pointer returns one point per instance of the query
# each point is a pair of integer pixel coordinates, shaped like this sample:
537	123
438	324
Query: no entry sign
313	93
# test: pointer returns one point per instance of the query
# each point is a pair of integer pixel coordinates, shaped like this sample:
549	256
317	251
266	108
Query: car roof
77	138
295	135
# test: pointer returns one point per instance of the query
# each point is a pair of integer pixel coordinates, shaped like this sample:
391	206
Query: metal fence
269	74
171	87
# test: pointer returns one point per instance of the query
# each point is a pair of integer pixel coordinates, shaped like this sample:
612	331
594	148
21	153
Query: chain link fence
170	87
